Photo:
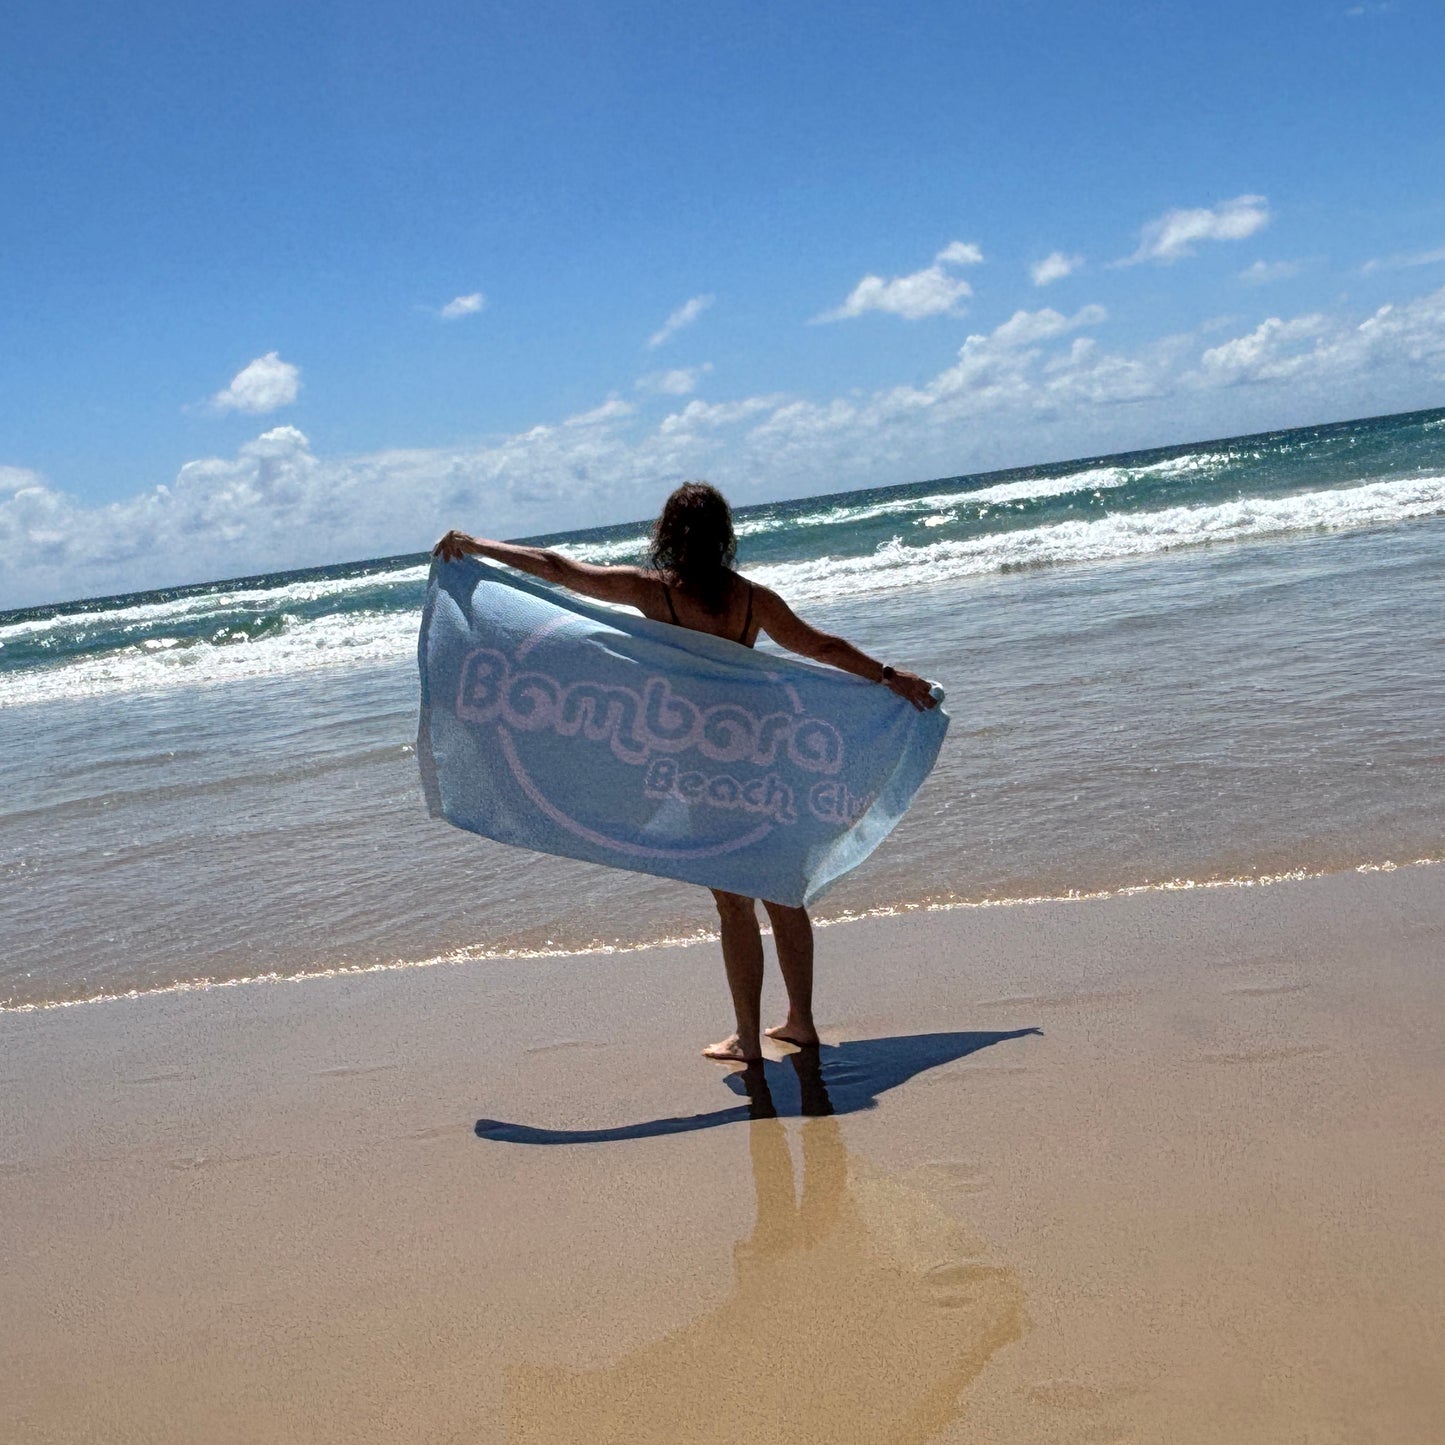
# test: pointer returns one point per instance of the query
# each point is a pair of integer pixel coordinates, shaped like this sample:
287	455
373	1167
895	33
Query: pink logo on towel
656	728
636	725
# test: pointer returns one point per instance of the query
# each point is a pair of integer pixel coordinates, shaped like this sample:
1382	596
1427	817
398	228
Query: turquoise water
1202	662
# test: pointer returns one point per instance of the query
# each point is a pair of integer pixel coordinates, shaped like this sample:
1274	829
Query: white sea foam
1117	537
203	604
605	553
1189	462
387	637
936	503
159	664
1092	479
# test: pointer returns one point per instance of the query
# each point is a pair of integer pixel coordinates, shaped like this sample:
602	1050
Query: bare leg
742	947
793	934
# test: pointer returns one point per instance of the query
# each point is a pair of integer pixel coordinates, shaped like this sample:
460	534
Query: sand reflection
861	1311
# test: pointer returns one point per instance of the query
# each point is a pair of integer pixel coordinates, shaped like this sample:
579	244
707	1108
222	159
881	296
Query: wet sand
1165	1167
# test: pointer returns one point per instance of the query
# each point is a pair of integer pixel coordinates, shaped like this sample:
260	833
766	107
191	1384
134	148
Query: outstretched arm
624	585
789	630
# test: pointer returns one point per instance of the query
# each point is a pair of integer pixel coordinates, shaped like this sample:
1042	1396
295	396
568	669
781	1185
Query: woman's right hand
453	546
912	688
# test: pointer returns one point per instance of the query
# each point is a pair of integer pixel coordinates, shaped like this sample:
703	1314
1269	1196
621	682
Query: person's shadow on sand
832	1079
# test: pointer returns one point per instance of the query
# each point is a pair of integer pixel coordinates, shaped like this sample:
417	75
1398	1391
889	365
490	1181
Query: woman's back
733	621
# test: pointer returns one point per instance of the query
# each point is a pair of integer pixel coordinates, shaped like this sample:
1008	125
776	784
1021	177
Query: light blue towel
557	724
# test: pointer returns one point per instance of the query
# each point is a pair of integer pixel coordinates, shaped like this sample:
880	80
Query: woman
691	583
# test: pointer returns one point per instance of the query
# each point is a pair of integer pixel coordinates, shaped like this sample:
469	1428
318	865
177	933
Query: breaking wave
292	624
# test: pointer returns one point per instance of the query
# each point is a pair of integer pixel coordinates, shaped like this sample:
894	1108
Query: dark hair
693	542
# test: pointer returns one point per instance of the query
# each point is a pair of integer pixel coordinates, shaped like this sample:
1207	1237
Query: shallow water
1224	661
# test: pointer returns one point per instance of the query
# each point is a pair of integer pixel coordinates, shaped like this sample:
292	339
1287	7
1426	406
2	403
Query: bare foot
804	1035
731	1050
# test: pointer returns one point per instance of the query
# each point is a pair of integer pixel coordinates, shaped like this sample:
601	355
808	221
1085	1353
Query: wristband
888	675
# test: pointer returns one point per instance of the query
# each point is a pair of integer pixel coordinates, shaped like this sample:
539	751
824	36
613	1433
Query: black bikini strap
748	620
672	611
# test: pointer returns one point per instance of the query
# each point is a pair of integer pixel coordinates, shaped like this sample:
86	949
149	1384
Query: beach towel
565	726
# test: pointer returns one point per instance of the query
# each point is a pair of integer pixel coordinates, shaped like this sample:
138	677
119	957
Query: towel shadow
832	1079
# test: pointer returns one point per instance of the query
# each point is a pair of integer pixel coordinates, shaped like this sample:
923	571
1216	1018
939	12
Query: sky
284	285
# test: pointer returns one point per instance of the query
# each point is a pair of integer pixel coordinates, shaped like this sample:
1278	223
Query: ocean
1203	664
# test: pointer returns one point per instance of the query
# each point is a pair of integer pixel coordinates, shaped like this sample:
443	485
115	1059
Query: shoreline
1164	1166
481	955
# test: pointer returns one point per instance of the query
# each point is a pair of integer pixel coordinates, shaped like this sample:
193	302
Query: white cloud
1087	376
1014	382
929	292
685	315
262	386
1319	349
716	414
1175	234
460	306
995	372
960	253
1268	353
1054	267
1405	261
275	504
18	479
1260	273
680	381
1024	328
1031	388
612	409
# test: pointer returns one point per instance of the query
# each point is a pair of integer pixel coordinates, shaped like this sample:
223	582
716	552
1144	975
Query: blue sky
288	284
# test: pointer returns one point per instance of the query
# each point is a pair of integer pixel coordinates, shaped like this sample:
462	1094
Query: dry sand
1204	1203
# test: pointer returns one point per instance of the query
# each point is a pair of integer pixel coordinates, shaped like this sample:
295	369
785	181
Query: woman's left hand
453	546
914	689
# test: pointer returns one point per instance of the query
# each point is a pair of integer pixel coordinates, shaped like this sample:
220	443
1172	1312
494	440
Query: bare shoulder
767	603
771	607
645	581
784	625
